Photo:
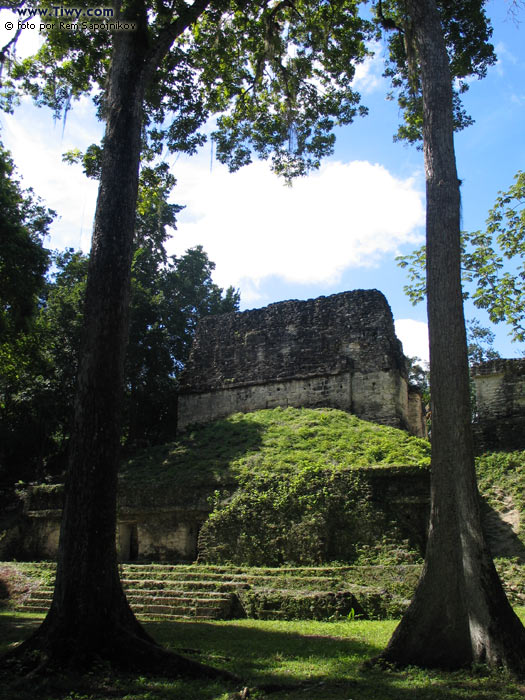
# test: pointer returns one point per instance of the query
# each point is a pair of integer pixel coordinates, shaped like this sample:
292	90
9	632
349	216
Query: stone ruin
499	422
339	351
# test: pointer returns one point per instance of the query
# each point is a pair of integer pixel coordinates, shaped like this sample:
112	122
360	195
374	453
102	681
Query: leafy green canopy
492	261
39	366
24	262
279	73
37	386
24	223
466	32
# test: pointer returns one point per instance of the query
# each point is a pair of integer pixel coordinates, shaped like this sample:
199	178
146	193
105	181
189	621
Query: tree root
43	655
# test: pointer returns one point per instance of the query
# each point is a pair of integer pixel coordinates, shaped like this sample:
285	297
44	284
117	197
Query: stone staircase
173	592
200	592
197	592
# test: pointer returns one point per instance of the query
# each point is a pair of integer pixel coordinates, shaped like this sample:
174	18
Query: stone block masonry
500	404
339	351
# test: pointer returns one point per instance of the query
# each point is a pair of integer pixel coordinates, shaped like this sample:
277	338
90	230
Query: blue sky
337	229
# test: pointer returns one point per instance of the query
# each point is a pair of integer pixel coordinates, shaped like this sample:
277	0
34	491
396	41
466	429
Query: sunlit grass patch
299	659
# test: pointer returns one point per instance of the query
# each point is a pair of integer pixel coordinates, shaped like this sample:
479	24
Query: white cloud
254	227
518	99
504	57
369	74
250	224
37	145
29	40
414	336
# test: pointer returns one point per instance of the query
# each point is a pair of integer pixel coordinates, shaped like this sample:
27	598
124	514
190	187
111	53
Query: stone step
159	574
152	584
200	608
133	594
34	608
211	571
236	583
177	599
166	599
135	601
199	592
271	615
40	593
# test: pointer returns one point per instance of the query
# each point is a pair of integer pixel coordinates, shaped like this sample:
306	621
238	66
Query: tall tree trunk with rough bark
88	594
90	617
459	614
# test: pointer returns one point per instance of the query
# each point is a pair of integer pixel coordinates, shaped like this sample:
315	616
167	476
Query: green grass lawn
300	659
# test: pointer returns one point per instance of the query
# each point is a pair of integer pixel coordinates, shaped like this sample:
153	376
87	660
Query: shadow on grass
14	628
201	454
501	534
287	664
276	661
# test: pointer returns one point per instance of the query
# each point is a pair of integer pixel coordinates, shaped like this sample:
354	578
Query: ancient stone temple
339	351
500	404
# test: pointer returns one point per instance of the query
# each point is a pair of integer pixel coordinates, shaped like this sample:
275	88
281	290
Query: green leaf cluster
466	31
492	260
495	260
289	82
39	365
307	517
24	223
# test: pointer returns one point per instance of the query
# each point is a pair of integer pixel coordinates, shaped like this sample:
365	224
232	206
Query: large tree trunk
88	594
89	617
459	614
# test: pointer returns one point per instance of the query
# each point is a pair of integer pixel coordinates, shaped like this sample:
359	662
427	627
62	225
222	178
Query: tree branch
386	22
171	32
12	42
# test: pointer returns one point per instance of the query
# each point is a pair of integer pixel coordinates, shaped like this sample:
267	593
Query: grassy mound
501	480
290	484
276	441
295	486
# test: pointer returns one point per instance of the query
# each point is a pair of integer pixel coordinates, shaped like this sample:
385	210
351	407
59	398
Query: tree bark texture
459	614
88	595
90	617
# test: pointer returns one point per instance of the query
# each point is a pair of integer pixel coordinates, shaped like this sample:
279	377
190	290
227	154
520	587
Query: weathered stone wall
339	351
500	404
416	412
168	534
154	524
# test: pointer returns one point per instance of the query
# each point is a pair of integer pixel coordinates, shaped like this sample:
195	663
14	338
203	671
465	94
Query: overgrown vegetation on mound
292	486
274	441
501	480
310	517
289	483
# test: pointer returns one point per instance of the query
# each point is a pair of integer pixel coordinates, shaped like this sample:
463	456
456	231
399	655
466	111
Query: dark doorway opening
129	542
